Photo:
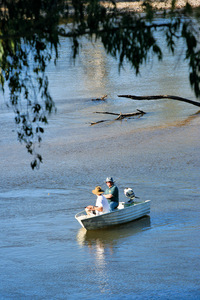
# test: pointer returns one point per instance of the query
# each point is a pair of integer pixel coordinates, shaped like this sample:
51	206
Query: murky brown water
44	252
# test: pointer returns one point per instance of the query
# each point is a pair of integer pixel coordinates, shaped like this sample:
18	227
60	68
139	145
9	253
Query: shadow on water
111	236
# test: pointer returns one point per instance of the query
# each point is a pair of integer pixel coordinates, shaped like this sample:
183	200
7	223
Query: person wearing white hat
102	205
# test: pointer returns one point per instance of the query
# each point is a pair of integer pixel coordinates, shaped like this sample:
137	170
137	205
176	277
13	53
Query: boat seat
125	204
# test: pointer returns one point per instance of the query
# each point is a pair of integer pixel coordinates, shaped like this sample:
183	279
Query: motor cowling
129	193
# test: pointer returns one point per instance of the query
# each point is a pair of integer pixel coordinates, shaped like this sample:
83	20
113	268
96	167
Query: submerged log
103	98
119	116
125	115
158	97
94	123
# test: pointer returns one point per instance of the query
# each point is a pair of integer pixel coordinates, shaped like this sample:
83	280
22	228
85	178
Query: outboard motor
129	193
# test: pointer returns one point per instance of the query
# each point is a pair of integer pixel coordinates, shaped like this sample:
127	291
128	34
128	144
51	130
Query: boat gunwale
77	216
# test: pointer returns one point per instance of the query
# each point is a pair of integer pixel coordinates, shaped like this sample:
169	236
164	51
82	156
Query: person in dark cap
112	193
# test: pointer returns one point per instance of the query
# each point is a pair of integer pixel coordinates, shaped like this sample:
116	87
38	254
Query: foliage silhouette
29	40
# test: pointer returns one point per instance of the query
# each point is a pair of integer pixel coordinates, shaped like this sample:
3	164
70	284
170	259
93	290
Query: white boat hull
119	216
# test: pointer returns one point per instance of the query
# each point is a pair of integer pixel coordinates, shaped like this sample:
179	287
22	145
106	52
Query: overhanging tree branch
29	38
78	33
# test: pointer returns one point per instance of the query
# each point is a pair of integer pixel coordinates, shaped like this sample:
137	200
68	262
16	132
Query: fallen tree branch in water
133	97
119	116
94	123
103	98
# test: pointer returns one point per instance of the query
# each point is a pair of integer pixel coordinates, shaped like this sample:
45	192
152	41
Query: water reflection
103	243
106	239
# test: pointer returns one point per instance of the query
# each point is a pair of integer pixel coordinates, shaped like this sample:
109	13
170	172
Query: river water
44	253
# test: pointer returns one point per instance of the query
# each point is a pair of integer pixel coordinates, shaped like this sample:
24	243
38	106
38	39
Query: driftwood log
158	97
119	116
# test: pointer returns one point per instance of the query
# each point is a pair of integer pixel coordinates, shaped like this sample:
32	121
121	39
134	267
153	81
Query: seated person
112	193
101	206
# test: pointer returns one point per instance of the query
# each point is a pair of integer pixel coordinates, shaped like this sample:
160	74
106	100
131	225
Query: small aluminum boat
126	212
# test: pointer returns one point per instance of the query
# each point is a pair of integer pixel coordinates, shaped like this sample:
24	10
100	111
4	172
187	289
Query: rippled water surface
44	253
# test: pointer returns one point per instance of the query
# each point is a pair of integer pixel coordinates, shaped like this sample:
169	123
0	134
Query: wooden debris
157	97
103	98
120	116
94	123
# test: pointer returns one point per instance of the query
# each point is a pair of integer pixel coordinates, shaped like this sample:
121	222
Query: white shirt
102	202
